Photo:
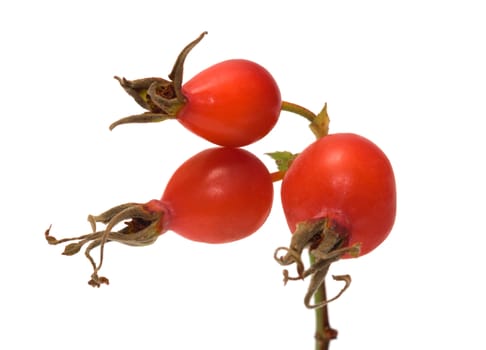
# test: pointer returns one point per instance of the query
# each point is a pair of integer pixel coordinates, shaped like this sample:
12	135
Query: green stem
302	111
319	123
324	333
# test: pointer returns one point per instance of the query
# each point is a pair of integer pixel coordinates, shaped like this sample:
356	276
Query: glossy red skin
347	178
219	195
233	103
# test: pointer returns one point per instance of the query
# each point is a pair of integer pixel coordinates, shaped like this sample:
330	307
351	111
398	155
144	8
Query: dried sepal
160	97
72	249
143	227
176	74
316	281
326	241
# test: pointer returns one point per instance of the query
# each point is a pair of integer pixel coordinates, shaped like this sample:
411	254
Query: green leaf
283	159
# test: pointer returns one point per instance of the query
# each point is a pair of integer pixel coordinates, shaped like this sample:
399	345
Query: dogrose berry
339	199
219	195
232	103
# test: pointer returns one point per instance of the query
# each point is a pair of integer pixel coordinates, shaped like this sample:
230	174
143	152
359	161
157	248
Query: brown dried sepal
327	242
142	228
160	97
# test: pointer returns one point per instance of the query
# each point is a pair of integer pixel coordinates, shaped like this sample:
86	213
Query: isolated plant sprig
338	194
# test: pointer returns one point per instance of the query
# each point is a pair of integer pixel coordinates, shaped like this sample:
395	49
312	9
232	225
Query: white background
408	75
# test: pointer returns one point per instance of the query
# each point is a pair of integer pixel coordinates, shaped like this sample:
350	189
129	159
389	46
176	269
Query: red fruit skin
233	103
347	178
219	195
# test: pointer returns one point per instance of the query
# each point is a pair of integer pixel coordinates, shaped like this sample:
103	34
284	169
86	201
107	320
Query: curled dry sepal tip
326	245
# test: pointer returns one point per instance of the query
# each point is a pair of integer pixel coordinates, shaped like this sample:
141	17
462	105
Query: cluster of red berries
338	194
